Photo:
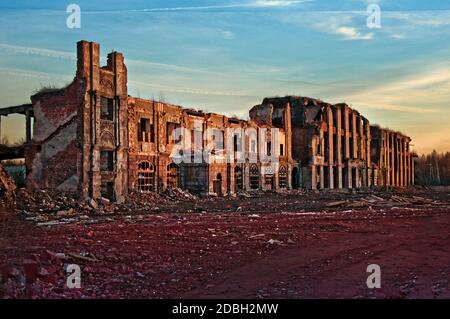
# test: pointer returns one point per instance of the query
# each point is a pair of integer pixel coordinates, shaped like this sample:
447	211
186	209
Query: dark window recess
237	143
352	145
343	148
107	161
281	149
173	175
282	177
278	121
327	147
269	148
107	109
254	177
171	129
238	178
107	190
146	132
217	185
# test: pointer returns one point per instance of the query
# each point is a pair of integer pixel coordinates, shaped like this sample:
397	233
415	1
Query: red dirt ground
231	255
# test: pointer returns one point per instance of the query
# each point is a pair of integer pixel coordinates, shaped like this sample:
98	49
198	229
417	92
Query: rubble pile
292	191
45	201
141	202
49	207
7	187
179	194
243	194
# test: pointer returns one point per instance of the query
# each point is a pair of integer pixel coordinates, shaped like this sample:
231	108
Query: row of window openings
343	152
146	133
359	123
237	146
146	177
268	179
255	178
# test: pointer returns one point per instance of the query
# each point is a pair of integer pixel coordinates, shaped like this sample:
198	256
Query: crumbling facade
94	139
232	162
393	160
80	140
329	144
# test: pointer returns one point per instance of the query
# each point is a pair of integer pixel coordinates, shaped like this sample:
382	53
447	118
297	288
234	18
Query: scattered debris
333	204
244	194
49	208
390	200
179	194
82	256
275	242
93	204
257	236
129	250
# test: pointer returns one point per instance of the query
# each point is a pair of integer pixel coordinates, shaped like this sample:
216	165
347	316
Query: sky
225	56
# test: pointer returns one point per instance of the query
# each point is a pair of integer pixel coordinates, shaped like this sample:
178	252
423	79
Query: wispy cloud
275	3
48	77
351	24
187	90
426	89
35	75
393	107
165	66
37	51
72	56
249	4
436	18
227	34
343	24
247	70
351	33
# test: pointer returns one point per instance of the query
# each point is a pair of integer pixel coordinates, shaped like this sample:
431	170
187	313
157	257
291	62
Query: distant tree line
433	169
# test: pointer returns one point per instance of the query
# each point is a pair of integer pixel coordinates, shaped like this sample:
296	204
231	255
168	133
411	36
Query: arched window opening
146	177
254	177
282	177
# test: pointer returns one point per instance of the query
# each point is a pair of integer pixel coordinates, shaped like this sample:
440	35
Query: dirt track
413	253
291	252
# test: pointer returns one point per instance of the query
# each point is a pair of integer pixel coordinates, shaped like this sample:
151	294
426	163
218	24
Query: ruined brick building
335	147
93	138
